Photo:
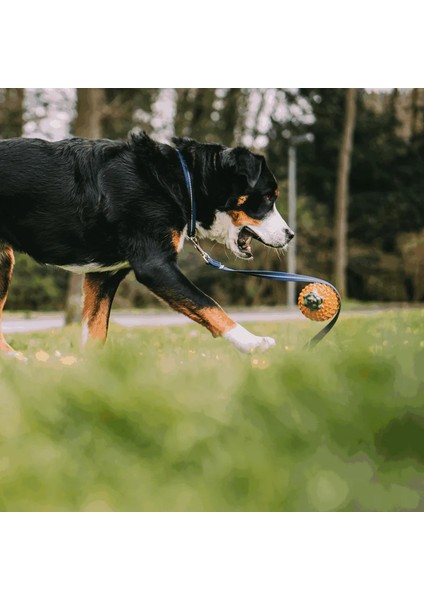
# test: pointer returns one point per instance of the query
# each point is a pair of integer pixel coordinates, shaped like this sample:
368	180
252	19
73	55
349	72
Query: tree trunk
342	191
11	112
88	124
90	107
414	112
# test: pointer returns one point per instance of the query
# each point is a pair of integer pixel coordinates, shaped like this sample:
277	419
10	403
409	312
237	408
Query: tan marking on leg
96	310
97	324
185	307
213	318
217	320
176	239
240	218
241	200
7	261
99	291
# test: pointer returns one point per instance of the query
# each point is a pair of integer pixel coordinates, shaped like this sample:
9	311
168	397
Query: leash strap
276	276
191	227
273	275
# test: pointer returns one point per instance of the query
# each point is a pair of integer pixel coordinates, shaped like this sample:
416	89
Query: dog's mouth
244	239
245	236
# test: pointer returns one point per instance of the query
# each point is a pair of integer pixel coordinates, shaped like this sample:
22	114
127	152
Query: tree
11	113
88	123
342	191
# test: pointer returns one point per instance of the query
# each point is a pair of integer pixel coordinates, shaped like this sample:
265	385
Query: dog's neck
210	190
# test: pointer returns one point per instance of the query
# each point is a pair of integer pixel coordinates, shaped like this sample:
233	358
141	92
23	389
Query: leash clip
205	255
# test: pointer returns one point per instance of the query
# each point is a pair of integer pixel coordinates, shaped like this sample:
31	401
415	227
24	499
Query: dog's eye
268	197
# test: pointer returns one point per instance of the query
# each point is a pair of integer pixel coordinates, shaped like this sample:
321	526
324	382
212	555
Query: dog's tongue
244	240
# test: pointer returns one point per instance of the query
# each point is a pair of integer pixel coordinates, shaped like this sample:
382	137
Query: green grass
170	419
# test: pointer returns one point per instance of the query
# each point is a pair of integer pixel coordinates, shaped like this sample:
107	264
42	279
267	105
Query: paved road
39	323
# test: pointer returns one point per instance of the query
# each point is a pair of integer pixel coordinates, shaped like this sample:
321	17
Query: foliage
171	419
36	286
386	189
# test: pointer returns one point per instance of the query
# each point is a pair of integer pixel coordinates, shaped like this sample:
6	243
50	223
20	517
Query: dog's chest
94	268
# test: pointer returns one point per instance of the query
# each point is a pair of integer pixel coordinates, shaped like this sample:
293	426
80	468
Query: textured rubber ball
318	301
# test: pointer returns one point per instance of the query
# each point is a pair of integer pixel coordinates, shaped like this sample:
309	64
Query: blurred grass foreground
172	420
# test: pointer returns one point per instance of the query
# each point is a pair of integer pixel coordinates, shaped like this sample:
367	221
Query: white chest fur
93	268
219	230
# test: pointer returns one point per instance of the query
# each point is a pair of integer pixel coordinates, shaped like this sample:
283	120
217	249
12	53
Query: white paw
246	342
260	344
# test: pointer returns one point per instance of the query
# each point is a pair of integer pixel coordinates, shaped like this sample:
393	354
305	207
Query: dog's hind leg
7	261
99	292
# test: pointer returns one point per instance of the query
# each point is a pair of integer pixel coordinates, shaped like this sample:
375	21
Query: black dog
102	208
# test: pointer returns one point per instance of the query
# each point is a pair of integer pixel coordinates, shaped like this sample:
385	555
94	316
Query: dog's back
46	190
30	169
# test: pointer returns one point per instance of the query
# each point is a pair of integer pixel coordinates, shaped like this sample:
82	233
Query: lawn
171	420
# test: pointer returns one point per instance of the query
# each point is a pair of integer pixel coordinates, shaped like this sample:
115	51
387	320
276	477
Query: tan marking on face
176	239
7	260
96	310
241	200
240	218
277	193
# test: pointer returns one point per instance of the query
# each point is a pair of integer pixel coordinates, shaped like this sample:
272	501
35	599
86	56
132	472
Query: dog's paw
261	344
246	342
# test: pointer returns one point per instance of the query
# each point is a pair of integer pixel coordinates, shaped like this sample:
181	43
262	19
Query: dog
103	208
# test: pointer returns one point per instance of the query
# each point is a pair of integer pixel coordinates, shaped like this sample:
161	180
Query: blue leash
191	227
273	275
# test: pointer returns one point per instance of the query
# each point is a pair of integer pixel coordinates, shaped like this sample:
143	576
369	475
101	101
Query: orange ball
318	301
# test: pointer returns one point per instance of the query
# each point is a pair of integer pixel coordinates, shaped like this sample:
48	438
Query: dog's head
249	209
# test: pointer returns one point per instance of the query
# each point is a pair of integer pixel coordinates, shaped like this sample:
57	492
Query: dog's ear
244	163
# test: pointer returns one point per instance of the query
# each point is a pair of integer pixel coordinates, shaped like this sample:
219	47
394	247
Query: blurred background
360	181
170	419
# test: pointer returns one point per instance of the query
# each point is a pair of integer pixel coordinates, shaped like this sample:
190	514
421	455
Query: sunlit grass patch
170	419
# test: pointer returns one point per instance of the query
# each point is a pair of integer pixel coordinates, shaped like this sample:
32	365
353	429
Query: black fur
82	201
79	201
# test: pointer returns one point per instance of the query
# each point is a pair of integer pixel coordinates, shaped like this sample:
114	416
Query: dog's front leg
163	277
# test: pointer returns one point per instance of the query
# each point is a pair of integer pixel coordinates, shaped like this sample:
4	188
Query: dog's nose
289	235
